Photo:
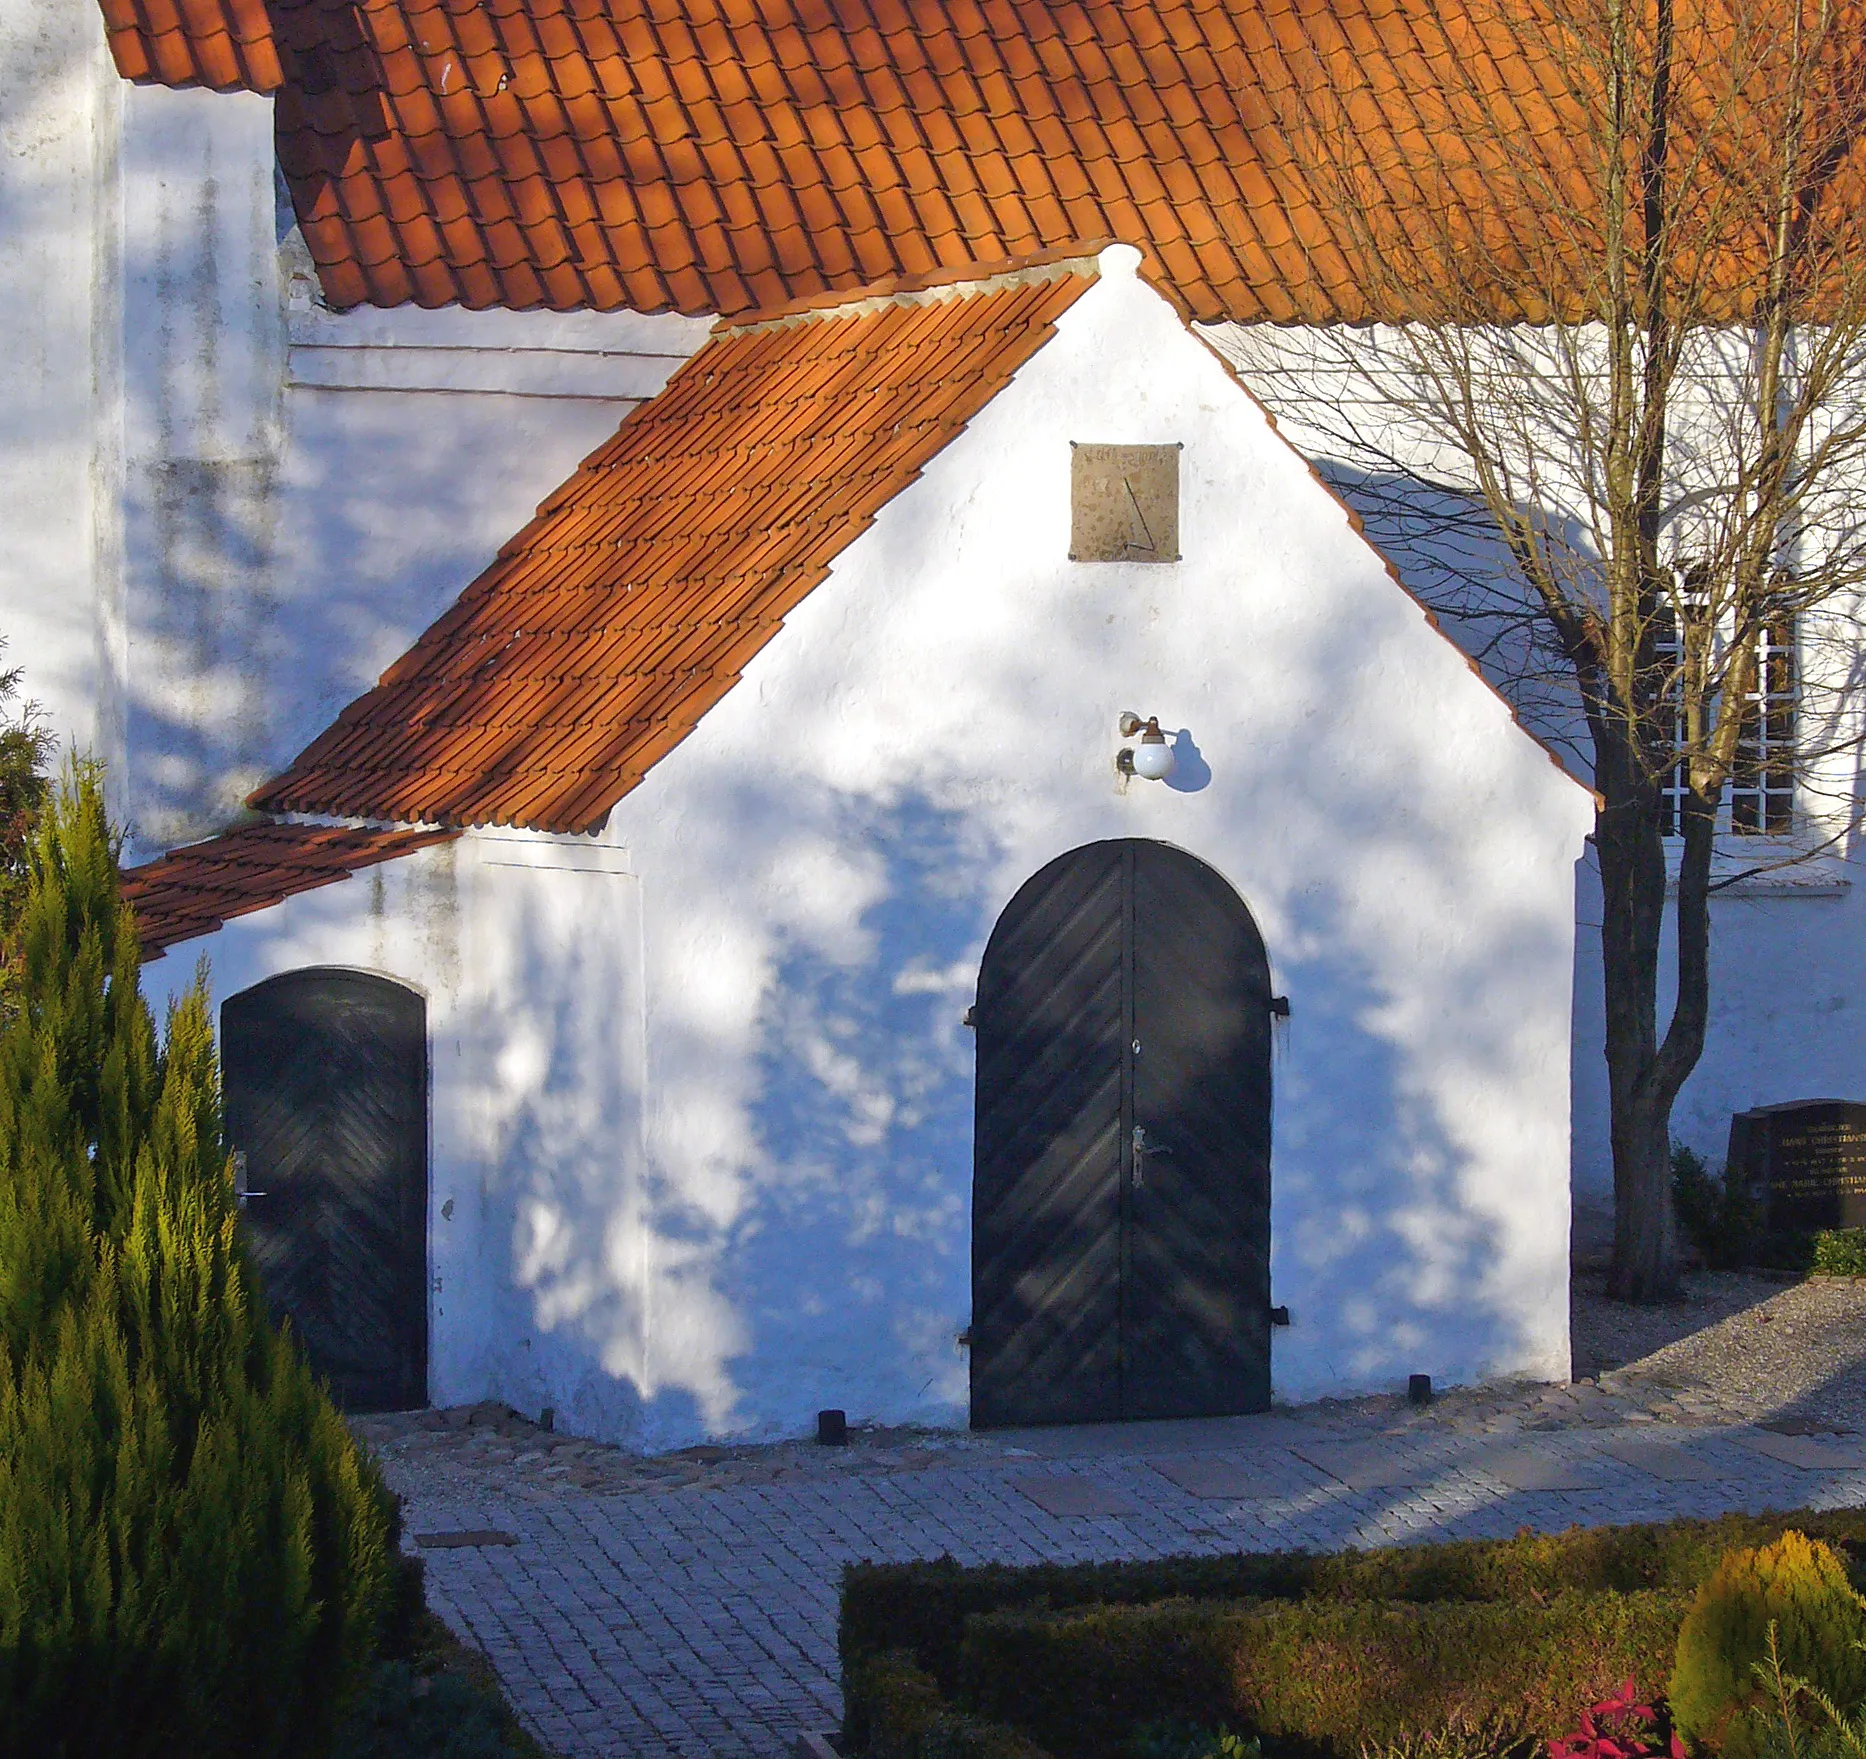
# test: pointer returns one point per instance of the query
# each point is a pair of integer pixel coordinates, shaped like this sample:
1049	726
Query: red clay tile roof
727	155
606	629
225	44
193	890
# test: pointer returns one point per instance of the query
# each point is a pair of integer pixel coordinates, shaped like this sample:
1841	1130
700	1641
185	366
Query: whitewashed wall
203	350
527	952
227	507
60	426
785	1223
1787	1013
308	489
825	858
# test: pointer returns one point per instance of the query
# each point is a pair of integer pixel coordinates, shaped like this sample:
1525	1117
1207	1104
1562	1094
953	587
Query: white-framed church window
1760	798
1762	787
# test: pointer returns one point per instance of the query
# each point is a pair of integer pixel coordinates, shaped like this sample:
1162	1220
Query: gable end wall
823	860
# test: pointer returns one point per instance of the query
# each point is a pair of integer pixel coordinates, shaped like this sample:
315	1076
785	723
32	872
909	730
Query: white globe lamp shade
1153	757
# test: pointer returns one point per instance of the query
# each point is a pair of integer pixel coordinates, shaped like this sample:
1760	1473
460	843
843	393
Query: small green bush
1839	1252
1313	1676
1167	1738
1800	1588
431	1696
406	1714
900	1702
1729	1228
195	1558
1718	1217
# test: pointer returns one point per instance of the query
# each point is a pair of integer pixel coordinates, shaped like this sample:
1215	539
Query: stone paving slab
1663	1459
1536	1468
1364	1465
1223	1477
1188	1435
457	1537
1811	1453
702	1620
1071	1497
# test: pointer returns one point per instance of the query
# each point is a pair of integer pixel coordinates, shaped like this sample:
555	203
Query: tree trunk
1632	878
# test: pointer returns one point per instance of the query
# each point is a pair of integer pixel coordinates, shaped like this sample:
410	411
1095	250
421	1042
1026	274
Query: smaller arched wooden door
325	1077
1121	1174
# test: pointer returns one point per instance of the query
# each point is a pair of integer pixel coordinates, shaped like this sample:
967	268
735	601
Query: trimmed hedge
923	1607
908	1718
1314	1676
925	1610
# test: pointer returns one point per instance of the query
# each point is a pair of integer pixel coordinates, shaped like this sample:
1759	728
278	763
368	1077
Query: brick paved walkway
702	1620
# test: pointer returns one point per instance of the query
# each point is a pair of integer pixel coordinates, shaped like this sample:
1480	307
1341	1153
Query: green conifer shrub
25	744
1798	1585
195	1559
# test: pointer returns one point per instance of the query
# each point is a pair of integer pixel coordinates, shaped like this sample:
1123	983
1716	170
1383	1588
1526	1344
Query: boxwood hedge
1506	1624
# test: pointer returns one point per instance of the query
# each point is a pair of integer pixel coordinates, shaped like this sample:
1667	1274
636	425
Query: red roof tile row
728	155
193	890
606	629
227	45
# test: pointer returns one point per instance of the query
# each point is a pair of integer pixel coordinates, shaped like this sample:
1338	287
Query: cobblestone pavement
687	1604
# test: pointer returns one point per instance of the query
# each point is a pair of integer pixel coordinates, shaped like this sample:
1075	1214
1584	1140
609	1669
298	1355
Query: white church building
791	797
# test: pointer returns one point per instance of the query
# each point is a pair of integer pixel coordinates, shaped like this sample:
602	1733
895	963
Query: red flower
1621	1727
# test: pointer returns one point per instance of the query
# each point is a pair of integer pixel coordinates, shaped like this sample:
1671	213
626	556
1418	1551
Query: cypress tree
25	743
194	1556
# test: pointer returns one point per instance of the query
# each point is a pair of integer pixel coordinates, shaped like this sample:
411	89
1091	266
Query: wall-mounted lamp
1152	758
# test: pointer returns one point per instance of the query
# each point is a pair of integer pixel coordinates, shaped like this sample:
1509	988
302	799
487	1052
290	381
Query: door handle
1142	1149
241	1192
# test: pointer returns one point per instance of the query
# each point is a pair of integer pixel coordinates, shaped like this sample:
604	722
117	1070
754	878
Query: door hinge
1279	1316
1279	1006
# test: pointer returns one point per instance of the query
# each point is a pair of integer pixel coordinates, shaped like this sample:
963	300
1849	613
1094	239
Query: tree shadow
1609	1335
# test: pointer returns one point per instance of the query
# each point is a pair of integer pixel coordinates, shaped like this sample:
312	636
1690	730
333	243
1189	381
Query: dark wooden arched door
1121	1174
325	1074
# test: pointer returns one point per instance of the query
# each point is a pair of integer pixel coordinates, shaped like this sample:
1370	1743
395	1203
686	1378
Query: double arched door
1121	1181
325	1078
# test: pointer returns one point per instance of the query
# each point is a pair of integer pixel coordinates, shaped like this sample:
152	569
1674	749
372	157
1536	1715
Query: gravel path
1739	1348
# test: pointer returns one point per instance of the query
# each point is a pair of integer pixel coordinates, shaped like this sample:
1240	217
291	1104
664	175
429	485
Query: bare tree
1614	416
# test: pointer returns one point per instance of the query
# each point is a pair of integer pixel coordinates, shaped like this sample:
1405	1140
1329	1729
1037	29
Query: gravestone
1807	1158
